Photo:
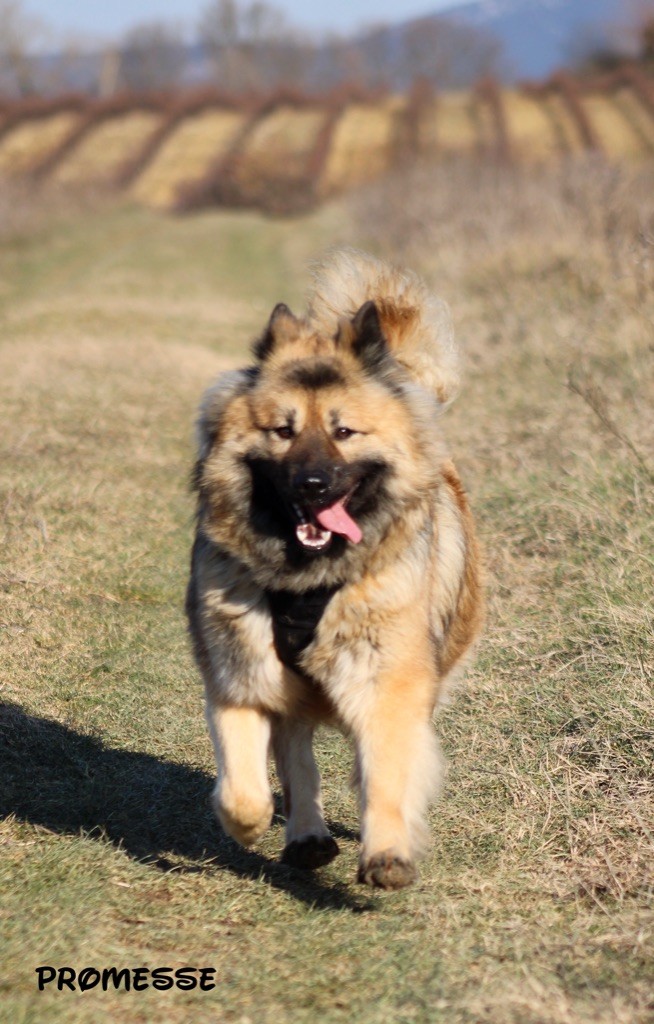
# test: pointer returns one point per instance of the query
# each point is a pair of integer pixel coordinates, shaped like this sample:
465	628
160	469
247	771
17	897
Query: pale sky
112	18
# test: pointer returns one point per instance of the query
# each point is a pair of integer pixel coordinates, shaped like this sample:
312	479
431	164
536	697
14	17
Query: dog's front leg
242	798
308	842
398	764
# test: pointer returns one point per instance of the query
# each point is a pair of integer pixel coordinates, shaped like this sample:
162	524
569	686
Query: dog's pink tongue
336	519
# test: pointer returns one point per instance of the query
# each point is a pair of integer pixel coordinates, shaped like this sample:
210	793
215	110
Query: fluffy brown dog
335	573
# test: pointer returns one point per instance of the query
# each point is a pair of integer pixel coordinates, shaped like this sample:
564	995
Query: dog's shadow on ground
157	811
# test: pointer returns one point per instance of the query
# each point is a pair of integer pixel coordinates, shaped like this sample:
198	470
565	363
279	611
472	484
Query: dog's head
310	456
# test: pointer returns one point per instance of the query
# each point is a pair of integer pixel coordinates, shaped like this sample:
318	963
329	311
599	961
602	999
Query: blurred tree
647	45
605	47
445	53
20	36
338	61
379	55
441	52
252	46
152	56
243	42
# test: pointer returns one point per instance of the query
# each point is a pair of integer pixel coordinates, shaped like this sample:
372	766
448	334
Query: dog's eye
285	433
342	433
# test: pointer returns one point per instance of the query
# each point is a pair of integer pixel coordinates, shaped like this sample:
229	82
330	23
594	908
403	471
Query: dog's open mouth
315	527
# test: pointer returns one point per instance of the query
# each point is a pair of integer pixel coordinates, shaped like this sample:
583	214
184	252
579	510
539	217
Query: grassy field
534	903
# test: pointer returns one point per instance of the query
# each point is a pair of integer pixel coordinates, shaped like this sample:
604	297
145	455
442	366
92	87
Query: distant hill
540	36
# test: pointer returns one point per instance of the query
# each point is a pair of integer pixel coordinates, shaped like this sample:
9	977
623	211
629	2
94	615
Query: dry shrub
553	267
460	213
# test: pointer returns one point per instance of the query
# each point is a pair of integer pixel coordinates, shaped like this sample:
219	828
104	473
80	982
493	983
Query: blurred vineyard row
289	152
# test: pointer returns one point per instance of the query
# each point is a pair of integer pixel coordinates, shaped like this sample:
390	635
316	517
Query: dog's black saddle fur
295	618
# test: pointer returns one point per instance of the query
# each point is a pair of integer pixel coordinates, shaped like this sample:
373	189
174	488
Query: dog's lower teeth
311	536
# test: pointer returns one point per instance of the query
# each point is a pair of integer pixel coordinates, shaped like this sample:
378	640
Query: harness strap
295	618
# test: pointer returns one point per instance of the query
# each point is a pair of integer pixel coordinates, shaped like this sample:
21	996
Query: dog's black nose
311	484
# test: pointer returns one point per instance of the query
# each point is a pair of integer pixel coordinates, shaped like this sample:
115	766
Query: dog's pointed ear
282	327
367	337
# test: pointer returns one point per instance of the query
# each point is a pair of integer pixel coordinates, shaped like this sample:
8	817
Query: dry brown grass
287	152
618	137
449	126
279	147
483	116
564	127
535	900
529	128
28	143
195	145
593	216
106	148
361	145
25	211
638	116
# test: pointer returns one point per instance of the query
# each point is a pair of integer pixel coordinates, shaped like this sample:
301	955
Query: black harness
295	618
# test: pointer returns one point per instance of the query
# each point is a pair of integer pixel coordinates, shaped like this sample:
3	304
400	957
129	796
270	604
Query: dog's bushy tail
417	325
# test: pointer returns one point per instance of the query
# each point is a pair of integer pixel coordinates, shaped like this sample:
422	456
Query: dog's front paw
310	853
246	817
387	871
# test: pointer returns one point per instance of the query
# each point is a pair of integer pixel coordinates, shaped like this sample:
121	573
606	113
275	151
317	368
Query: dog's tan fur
408	602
